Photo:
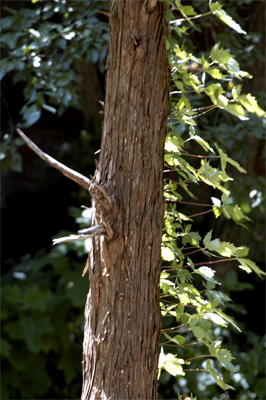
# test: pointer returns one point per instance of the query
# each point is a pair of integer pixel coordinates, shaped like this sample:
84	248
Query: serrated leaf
215	7
249	264
237	110
224	356
236	214
219	54
225	159
215	92
189	10
216	73
226	249
177	339
251	105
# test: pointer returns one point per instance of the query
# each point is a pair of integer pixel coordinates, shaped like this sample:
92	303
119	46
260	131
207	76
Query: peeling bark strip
122	315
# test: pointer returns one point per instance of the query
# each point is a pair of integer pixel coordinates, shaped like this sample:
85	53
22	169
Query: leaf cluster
190	298
45	47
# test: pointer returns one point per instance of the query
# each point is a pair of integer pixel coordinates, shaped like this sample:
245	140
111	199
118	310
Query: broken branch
68	172
82	234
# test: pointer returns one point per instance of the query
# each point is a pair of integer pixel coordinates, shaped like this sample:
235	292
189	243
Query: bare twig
82	234
68	172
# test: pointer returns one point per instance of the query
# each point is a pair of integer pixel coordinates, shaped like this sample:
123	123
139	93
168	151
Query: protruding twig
68	172
82	234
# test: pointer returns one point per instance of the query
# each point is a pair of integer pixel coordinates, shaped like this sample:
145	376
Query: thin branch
199	115
196	215
193	369
96	191
173	328
82	234
190	203
68	172
210	262
202	356
178	345
189	18
198	156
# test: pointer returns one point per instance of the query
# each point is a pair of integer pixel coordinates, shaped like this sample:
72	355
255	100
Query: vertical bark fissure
122	318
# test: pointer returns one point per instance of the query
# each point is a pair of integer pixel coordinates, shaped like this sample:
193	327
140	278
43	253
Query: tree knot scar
100	195
150	5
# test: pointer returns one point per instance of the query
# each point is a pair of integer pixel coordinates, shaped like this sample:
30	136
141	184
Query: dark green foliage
40	52
42	319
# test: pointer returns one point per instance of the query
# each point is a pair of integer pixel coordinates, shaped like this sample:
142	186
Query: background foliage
43	295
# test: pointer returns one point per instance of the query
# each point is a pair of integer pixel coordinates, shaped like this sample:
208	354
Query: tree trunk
122	314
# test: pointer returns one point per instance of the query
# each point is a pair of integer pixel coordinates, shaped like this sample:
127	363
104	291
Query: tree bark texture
122	313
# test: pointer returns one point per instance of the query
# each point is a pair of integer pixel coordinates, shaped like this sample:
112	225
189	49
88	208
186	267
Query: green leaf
249	265
184	318
228	319
220	55
216	9
167	254
207	273
211	244
198	332
31	116
226	249
189	10
251	105
224	356
178	339
215	91
216	319
225	159
237	110
236	214
173	365
217	377
216	73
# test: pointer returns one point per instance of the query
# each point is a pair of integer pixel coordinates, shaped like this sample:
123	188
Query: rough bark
122	314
